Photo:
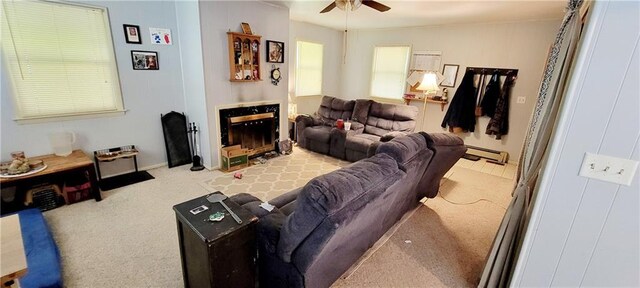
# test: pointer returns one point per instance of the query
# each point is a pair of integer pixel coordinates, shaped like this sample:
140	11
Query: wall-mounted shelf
244	57
428	100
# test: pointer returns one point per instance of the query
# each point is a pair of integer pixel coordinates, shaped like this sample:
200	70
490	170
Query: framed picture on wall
275	51
145	60
450	73
132	34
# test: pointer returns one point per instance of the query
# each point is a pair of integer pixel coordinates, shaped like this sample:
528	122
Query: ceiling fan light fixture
355	4
342	4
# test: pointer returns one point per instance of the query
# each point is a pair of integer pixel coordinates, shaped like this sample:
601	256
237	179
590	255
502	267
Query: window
389	71
61	60
308	69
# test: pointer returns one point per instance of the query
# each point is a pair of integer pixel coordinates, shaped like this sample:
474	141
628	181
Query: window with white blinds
308	68
390	65
61	60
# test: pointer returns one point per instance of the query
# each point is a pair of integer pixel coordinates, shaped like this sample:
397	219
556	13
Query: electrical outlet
609	169
521	100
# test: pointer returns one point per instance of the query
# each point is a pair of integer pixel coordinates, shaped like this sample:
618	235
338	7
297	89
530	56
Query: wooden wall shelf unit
244	57
441	102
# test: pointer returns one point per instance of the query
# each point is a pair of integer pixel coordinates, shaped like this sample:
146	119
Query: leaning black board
176	139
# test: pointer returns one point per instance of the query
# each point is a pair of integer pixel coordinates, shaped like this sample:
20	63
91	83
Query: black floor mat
124	180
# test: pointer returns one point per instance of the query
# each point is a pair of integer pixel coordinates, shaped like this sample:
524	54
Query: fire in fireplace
253	127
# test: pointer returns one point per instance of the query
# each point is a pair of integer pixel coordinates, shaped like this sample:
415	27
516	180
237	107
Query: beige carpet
279	175
129	239
442	244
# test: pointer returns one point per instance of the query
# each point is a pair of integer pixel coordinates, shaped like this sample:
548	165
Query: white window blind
389	73
61	60
308	68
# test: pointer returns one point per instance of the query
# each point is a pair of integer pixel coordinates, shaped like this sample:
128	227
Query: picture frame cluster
146	60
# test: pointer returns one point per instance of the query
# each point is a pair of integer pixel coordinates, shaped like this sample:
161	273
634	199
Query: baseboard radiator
493	156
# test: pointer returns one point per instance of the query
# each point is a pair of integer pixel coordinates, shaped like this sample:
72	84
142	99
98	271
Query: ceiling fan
355	4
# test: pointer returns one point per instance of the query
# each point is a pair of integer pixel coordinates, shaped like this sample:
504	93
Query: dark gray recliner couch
318	231
314	132
382	120
370	121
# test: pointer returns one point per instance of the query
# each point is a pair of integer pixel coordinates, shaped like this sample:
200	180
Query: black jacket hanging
461	112
491	95
499	123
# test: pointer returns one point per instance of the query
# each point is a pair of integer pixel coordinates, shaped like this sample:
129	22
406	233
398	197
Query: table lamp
429	85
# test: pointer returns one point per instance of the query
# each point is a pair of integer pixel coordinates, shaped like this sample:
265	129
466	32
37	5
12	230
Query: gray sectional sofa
318	231
370	122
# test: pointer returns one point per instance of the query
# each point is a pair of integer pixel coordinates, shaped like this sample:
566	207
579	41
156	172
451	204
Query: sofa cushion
384	118
327	194
318	133
360	142
332	109
361	110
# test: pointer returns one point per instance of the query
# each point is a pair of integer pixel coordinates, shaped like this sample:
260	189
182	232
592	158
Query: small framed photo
246	29
275	51
450	73
145	60
132	34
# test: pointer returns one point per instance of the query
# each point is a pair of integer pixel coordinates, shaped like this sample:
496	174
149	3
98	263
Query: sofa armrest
269	222
339	137
268	232
302	122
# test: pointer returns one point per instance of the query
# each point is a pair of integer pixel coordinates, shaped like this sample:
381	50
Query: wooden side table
59	167
216	254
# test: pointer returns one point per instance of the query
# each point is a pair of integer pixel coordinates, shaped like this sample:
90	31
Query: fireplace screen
255	132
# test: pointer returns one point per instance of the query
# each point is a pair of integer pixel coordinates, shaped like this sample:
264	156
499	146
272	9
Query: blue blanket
43	258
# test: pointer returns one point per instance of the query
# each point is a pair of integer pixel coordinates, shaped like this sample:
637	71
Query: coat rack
488	71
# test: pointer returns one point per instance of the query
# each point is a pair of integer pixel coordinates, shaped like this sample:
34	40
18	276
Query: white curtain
501	259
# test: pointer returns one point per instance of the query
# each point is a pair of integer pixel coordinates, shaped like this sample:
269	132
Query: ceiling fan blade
376	5
329	8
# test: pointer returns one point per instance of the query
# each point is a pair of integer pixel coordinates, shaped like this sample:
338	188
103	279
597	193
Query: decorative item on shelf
246	29
144	60
275	75
445	94
429	85
275	51
132	34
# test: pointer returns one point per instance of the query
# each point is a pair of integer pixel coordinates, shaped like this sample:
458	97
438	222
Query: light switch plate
609	169
521	100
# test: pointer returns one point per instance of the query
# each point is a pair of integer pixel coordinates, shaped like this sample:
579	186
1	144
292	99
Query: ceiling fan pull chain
345	39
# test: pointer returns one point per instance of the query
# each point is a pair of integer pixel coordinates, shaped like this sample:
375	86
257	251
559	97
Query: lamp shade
429	83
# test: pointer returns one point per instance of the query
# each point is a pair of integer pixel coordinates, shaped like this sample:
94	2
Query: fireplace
253	127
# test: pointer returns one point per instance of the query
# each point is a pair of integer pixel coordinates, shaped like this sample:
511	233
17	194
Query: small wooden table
216	254
57	167
14	260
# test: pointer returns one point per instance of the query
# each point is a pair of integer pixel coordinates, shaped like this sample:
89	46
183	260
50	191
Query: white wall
332	62
146	95
585	232
188	19
522	45
267	20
